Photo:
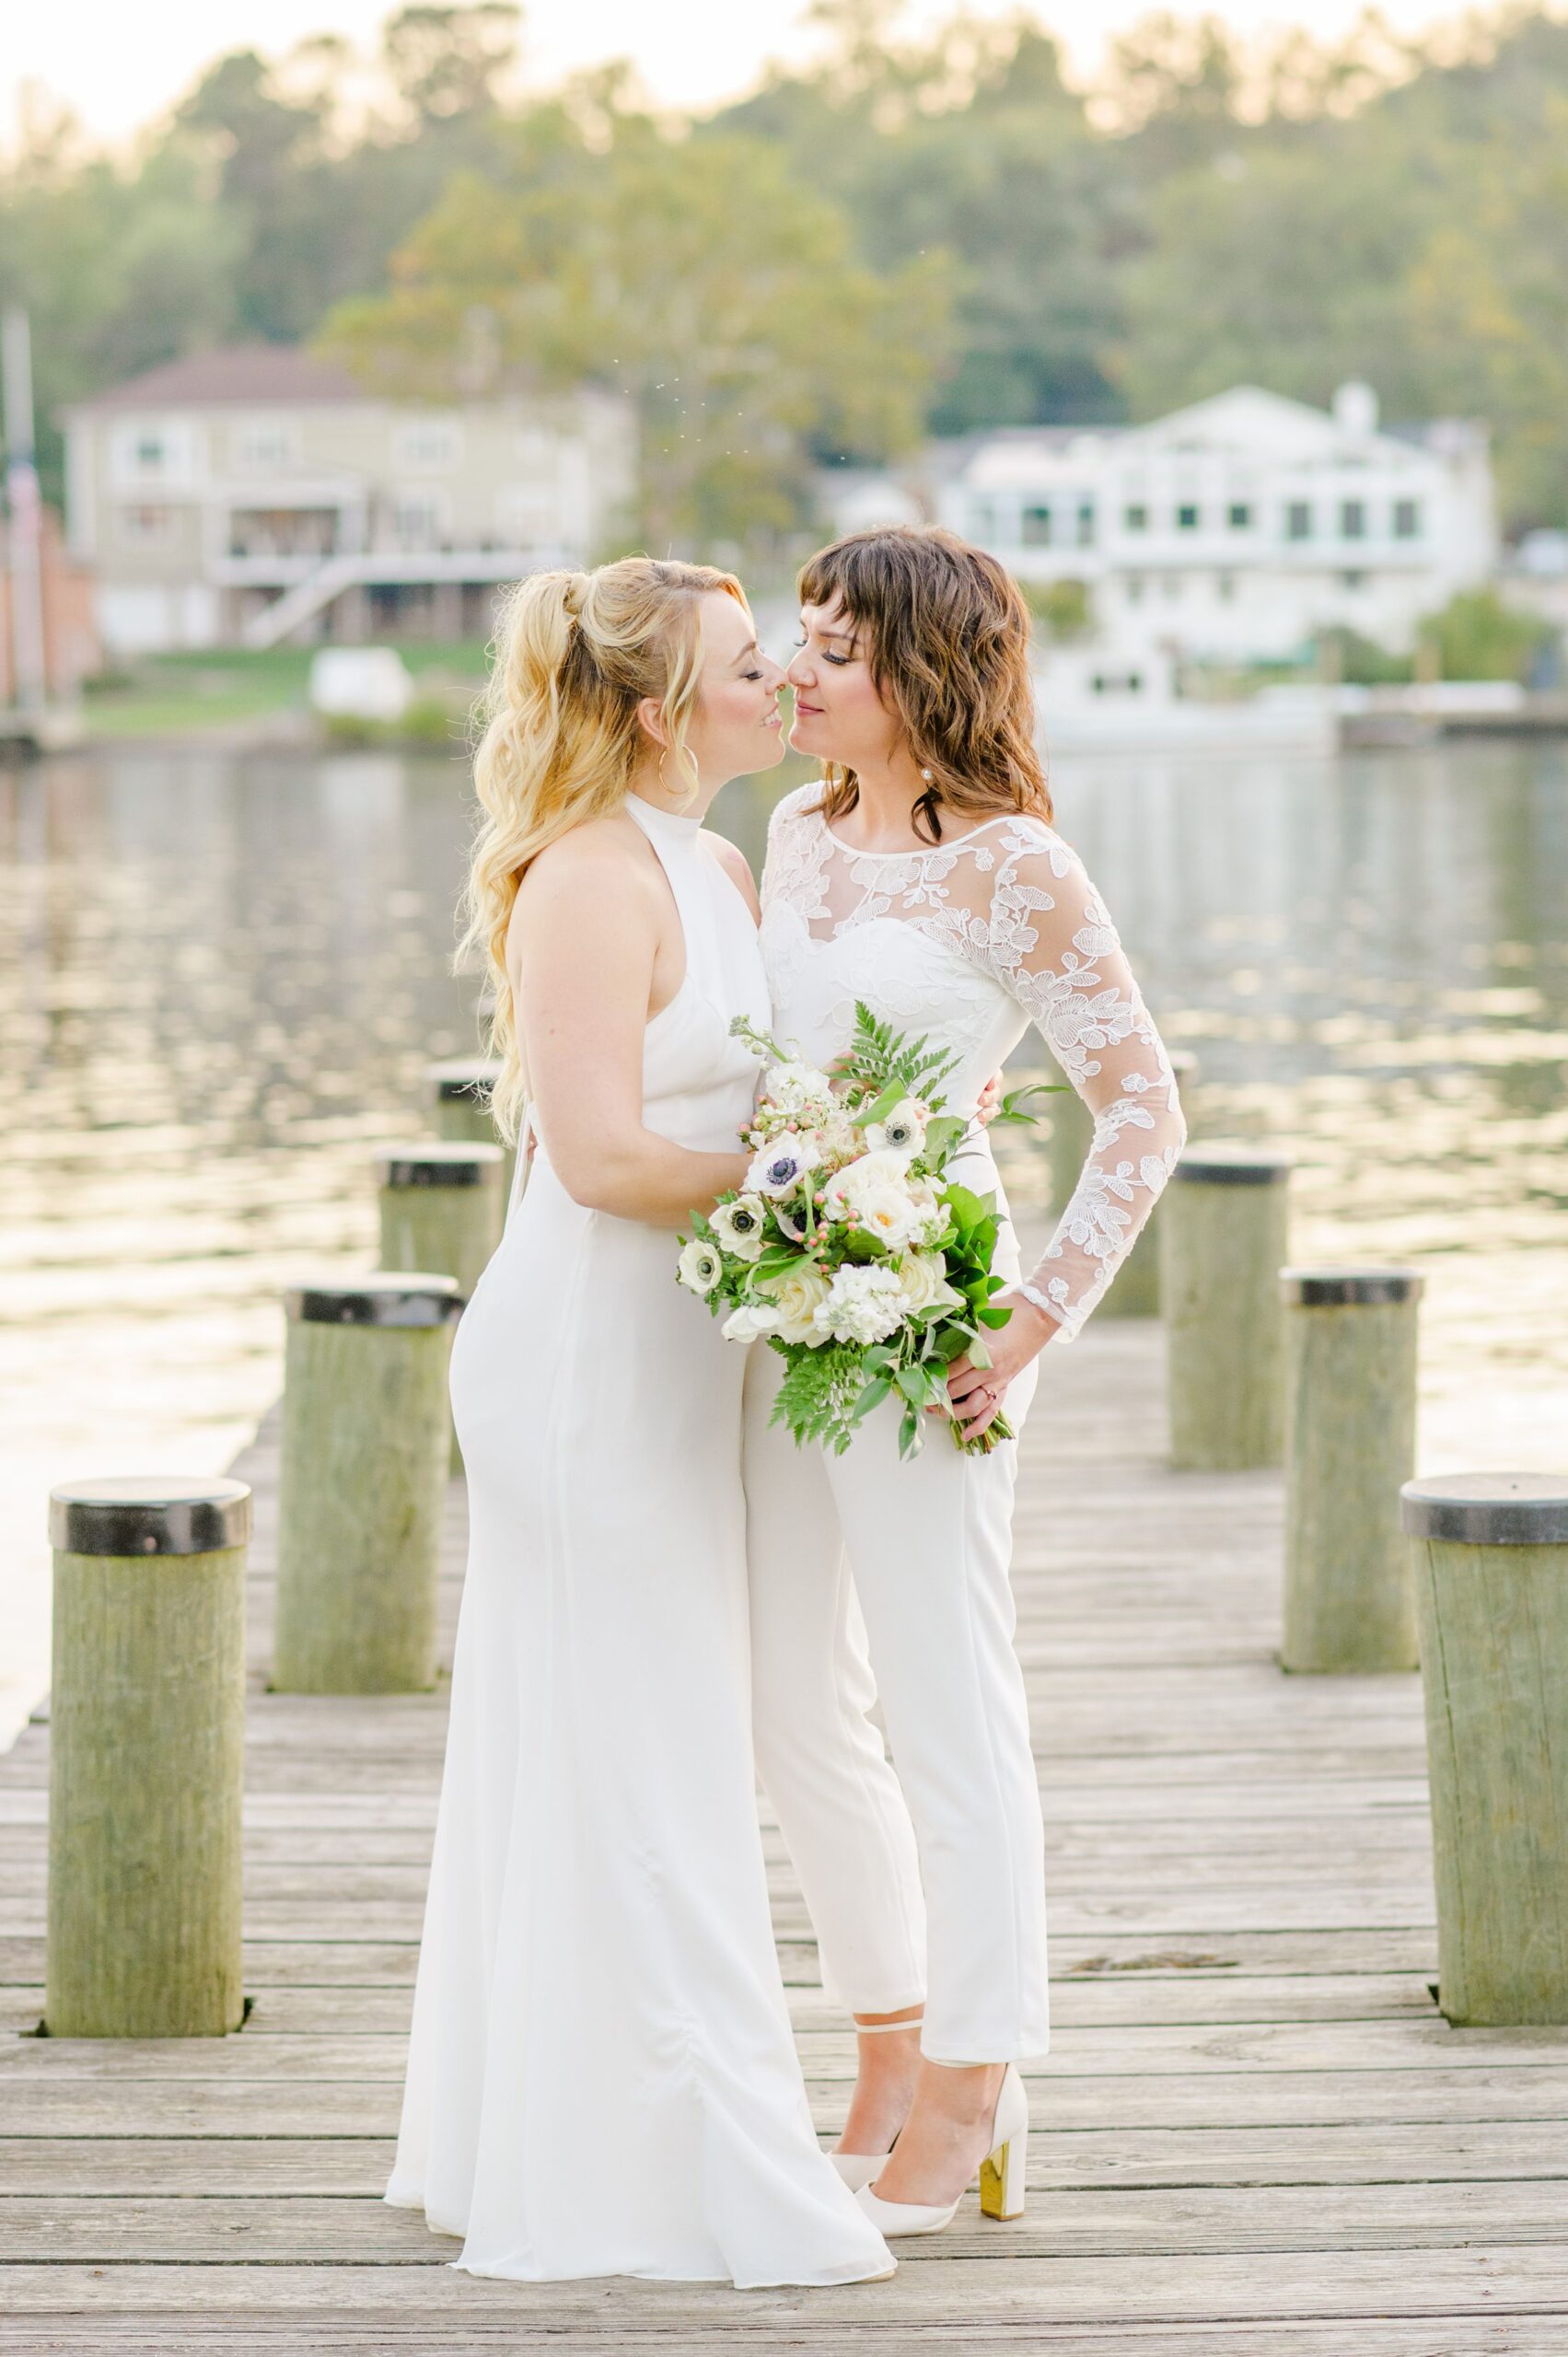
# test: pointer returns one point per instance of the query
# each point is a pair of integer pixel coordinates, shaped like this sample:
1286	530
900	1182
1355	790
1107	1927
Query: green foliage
693	275
1344	654
918	232
1064	608
887	1064
1478	637
820	1388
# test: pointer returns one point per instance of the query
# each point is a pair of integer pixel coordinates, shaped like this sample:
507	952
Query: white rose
930	1218
876	1189
922	1281
699	1267
742	1226
749	1322
864	1304
797	1296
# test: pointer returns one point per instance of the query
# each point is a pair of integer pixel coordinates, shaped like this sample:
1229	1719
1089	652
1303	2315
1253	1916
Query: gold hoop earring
662	751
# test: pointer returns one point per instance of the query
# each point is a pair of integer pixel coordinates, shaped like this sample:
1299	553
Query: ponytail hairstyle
948	640
575	653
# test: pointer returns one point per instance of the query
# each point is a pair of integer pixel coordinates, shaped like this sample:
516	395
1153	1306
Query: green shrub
1478	637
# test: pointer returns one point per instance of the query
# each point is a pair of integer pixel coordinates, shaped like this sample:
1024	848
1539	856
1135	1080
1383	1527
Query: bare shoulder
736	865
594	877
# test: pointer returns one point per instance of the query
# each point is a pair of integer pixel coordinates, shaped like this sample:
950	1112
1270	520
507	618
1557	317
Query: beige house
257	495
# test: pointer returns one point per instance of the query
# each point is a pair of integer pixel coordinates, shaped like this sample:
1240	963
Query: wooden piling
459	1091
147	1758
1224	1234
1350	1445
441	1208
361	1484
1490	1564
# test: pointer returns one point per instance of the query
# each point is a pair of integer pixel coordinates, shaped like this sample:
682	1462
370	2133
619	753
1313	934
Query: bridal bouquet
845	1250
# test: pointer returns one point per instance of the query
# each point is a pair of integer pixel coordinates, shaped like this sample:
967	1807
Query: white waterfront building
258	494
1231	531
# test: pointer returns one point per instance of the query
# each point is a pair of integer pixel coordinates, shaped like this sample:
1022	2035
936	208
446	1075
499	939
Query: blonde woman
601	2078
922	876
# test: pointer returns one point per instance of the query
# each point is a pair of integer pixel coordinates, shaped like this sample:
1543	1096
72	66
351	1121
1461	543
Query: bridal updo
947	635
576	654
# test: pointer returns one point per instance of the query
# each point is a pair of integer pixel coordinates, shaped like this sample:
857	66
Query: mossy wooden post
363	1484
1224	1234
459	1091
1490	1556
147	1758
1350	1445
442	1208
1135	1288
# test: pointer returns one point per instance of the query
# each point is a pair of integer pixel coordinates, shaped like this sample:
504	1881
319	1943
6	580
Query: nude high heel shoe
858	2169
1001	2174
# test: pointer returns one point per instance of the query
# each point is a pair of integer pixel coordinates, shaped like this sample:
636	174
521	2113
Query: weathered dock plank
1255	2136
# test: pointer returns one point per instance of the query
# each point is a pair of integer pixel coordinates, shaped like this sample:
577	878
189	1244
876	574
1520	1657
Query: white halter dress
602	2079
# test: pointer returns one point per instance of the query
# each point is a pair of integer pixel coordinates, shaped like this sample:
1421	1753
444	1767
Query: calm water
220	976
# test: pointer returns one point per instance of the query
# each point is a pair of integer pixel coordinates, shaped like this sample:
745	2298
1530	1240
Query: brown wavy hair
947	639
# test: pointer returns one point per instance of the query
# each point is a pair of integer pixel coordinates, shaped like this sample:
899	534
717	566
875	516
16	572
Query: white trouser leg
822	1760
930	1544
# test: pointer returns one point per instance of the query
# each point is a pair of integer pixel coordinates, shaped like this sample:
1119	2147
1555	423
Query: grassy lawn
172	695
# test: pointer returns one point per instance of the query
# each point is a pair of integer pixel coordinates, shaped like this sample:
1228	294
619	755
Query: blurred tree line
912	235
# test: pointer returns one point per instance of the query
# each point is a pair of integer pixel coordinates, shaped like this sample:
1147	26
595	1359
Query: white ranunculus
902	1131
876	1189
783	1165
922	1281
797	1296
751	1322
699	1266
742	1226
864	1304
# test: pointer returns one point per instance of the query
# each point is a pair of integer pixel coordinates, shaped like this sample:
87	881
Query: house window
1352	580
145	528
1406	519
1135	519
261	444
1086	524
1352	519
1239	514
1224	589
1187	520
432	445
1036	527
1298	520
419	519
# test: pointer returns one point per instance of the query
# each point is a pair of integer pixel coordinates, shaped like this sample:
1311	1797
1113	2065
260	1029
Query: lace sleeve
1054	946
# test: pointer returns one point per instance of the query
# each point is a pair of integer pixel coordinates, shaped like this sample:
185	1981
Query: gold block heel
1005	2167
1002	2181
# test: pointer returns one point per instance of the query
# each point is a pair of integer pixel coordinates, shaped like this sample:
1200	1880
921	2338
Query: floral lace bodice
971	941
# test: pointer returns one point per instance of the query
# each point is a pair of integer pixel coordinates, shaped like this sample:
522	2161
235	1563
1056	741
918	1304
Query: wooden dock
1255	2136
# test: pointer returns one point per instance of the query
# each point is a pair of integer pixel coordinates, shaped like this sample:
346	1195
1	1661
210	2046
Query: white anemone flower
742	1226
902	1131
783	1165
699	1267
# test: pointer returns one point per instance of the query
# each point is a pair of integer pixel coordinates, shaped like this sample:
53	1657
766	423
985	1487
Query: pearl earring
926	775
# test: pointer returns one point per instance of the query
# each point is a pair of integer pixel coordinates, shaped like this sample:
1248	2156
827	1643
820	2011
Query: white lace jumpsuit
930	1883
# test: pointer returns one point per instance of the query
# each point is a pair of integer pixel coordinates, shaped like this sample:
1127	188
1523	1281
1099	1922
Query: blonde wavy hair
575	653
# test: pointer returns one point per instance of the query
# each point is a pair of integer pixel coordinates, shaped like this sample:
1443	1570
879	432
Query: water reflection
220	976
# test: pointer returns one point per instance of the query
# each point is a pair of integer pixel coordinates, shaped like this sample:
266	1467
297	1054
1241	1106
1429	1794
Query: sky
118	67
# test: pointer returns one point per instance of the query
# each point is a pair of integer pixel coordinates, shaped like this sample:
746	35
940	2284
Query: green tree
693	275
1478	637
